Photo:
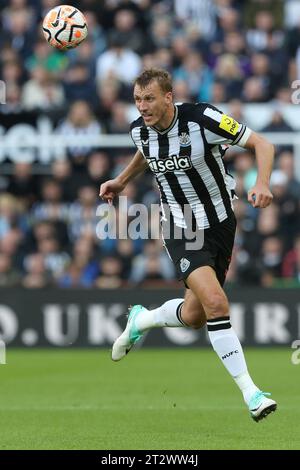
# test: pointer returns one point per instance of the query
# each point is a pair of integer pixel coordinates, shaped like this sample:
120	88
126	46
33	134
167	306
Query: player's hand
111	189
260	196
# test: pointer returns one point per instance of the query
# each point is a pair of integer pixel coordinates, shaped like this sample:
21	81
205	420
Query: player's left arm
260	195
219	128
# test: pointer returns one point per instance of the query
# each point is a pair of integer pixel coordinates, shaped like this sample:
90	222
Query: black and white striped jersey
187	161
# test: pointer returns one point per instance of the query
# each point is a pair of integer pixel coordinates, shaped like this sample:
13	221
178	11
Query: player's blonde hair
162	77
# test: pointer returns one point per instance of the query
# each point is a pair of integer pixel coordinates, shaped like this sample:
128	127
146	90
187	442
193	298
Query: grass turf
154	399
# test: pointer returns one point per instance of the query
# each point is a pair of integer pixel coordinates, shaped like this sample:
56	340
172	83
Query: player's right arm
112	188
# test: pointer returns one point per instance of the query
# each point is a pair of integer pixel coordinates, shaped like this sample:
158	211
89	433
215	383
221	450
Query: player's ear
169	97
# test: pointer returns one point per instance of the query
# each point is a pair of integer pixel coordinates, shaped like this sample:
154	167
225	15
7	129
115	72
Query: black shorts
215	252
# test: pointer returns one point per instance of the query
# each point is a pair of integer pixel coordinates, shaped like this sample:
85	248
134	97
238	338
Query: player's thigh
208	291
193	313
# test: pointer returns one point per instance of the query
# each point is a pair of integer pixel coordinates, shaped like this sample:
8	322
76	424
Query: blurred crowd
220	51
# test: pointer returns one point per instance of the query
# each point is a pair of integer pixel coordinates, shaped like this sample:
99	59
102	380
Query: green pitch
153	399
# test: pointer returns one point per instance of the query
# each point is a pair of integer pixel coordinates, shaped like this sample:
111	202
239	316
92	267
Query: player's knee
216	306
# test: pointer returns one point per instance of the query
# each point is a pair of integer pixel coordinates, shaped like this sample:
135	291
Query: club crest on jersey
184	140
174	162
184	264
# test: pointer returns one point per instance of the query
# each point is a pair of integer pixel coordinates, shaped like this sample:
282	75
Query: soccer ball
65	27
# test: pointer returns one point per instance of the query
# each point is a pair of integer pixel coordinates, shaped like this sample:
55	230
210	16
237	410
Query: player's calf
195	319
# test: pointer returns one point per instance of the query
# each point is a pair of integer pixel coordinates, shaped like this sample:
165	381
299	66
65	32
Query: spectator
9	276
181	92
42	92
83	268
11	215
257	38
96	33
260	68
51	206
291	262
45	230
13	99
78	84
111	273
68	180
277	124
36	275
202	14
12	72
23	185
109	92
19	34
98	168
119	122
11	245
254	91
271	252
80	121
197	76
229	73
118	62
288	207
285	163
125	251
129	34
163	59
55	259
82	216
153	264
218	92
48	59
161	32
